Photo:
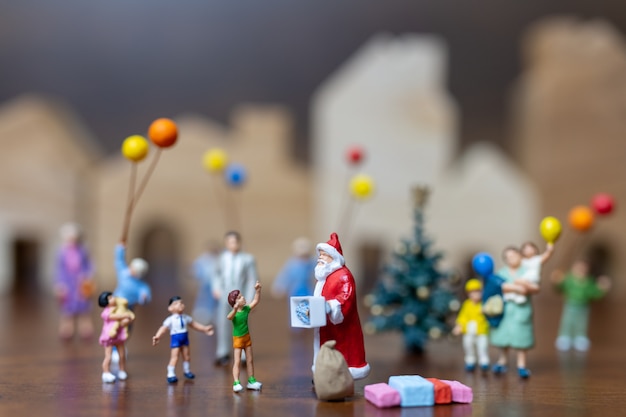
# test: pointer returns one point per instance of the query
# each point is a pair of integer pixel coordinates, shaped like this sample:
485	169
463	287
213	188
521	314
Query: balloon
355	155
135	148
482	263
163	132
581	218
361	186
235	175
602	203
215	160
550	228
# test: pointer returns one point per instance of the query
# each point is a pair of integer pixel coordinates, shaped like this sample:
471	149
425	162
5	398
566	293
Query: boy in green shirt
241	335
579	290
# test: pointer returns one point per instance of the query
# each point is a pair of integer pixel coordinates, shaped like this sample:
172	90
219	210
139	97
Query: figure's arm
512	287
343	299
232	313
548	253
120	258
208	329
60	284
461	320
257	295
145	294
157	336
130	316
88	268
217	280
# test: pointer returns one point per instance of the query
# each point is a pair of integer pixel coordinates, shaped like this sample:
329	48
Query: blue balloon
235	175
483	264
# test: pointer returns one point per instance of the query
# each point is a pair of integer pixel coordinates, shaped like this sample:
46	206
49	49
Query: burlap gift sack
332	377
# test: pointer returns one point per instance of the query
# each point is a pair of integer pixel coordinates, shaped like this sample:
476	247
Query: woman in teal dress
516	328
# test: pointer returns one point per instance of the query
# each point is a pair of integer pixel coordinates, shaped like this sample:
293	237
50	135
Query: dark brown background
121	64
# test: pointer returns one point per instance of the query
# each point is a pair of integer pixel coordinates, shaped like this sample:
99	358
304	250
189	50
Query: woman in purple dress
74	285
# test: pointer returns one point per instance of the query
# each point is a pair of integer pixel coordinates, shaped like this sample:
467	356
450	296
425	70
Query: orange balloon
163	132
581	218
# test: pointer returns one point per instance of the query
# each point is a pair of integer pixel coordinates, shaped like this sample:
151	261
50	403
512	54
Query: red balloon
355	155
603	203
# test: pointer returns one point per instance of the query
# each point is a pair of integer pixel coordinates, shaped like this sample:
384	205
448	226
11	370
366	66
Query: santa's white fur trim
334	253
360	373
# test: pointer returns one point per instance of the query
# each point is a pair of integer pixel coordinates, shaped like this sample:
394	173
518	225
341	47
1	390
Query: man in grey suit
236	270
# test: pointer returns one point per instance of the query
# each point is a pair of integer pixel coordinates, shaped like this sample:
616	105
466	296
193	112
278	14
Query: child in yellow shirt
473	325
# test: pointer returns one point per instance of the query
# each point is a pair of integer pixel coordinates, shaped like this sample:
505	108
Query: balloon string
346	199
129	201
343	228
146	177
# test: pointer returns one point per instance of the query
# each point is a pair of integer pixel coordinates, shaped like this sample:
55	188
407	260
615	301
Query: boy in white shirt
177	324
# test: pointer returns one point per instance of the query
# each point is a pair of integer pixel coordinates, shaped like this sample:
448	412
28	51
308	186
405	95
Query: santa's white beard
323	269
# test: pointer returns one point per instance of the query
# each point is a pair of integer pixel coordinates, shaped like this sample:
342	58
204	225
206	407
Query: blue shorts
179	339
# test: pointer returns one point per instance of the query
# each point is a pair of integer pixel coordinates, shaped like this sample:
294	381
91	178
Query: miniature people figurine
241	335
336	284
177	324
516	328
121	307
204	269
579	289
129	283
296	277
472	323
74	284
532	261
108	301
236	269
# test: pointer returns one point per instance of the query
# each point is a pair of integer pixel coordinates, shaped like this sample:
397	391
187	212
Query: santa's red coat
339	285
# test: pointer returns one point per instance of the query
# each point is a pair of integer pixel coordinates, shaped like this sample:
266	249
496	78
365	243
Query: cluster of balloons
361	185
162	132
581	218
215	161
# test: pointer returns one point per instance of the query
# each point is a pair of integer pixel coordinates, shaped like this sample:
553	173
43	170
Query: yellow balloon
550	229
215	160
135	148
361	186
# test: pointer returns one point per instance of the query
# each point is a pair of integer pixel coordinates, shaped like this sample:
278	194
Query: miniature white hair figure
70	232
138	267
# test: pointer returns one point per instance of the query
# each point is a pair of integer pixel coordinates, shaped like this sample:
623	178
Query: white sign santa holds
336	284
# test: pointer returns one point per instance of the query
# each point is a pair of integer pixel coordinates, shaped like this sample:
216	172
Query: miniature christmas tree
414	295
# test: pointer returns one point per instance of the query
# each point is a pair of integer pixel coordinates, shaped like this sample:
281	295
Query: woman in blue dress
516	328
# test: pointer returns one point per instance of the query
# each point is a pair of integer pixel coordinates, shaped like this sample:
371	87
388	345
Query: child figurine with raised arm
532	261
177	324
241	336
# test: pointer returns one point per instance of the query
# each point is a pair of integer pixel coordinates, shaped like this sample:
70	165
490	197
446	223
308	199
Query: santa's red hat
333	248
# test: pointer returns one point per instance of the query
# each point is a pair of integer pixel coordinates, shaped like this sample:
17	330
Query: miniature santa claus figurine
336	284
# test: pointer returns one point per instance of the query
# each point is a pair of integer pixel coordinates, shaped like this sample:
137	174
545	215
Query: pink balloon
603	203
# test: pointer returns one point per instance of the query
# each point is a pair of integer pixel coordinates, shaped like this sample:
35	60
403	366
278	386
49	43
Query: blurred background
507	112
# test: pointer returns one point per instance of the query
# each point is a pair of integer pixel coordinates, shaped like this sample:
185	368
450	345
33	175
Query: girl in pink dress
107	300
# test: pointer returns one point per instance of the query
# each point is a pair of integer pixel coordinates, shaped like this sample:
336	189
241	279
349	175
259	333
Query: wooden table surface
41	376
